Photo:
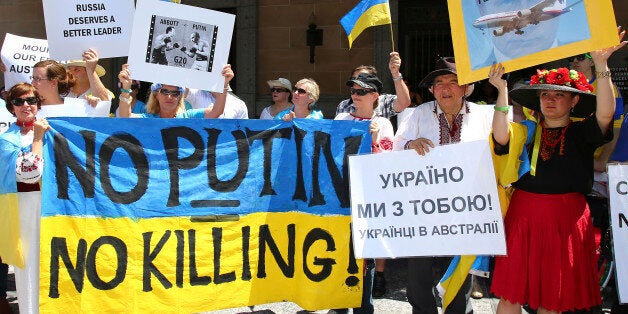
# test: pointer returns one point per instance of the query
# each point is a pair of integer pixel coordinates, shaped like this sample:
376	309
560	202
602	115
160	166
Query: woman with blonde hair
167	101
305	94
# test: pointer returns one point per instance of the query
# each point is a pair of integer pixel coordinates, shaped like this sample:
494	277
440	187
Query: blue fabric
350	19
140	107
10	147
621	149
153	139
524	158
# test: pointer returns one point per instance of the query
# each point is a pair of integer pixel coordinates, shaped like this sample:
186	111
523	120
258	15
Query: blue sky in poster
485	48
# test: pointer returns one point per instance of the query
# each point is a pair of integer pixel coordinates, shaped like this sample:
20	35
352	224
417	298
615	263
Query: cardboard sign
75	107
521	34
74	26
192	215
19	54
180	45
618	197
443	203
6	118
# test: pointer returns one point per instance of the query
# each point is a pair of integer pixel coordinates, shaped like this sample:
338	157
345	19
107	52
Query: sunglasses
361	92
300	91
582	57
18	102
166	92
279	90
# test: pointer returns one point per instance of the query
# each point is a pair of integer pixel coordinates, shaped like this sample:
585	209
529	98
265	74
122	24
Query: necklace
550	139
26	124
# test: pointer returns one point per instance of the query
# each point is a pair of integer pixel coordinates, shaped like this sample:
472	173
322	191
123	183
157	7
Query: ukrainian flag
508	169
10	245
364	15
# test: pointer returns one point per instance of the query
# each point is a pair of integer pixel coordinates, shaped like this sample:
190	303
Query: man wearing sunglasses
388	105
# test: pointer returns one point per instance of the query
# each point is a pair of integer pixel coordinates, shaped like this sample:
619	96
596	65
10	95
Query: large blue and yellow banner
187	215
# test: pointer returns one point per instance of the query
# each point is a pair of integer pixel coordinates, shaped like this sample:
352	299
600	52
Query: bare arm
124	108
98	89
501	130
605	100
221	98
401	90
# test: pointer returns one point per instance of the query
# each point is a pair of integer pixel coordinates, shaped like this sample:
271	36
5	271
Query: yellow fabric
216	243
506	169
11	244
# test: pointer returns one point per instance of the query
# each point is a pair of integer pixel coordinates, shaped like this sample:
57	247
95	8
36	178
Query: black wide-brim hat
445	65
528	96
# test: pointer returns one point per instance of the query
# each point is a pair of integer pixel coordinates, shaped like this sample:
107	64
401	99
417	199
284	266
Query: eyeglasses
582	57
18	102
361	92
279	90
167	92
39	79
300	91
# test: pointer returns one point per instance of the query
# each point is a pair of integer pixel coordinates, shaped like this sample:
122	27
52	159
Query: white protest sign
443	203
74	26
618	197
19	54
180	45
75	107
6	118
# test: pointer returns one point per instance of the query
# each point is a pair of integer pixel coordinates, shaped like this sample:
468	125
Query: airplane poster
524	33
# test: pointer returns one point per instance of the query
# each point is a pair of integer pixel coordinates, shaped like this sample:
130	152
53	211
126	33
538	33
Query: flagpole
392	37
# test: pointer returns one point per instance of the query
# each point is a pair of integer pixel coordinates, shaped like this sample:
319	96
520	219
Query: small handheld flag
364	15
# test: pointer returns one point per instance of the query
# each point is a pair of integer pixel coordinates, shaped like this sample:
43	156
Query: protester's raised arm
501	131
91	62
401	90
605	98
124	108
221	98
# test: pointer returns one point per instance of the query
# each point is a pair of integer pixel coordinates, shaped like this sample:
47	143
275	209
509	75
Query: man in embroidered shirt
448	119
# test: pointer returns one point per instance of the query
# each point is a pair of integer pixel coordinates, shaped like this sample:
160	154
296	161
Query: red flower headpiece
562	77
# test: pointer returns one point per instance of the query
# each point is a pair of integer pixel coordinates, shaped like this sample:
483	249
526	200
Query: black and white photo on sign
180	45
19	54
78	25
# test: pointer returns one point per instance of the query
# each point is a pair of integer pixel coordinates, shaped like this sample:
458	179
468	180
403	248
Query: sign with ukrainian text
74	26
19	54
443	203
193	215
618	197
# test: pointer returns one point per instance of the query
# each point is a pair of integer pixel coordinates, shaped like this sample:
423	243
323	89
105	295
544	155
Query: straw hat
100	71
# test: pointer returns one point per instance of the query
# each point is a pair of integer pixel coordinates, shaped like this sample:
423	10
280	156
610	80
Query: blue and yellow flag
507	170
10	243
364	15
193	215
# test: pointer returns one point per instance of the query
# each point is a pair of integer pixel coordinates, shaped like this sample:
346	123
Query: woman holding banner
21	166
551	263
167	101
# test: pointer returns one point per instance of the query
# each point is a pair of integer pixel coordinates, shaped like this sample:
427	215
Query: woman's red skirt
550	261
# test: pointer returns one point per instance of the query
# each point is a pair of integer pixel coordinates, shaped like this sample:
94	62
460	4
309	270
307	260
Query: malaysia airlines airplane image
505	22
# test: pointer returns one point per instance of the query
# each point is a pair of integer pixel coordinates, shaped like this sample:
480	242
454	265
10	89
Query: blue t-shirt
192	113
314	114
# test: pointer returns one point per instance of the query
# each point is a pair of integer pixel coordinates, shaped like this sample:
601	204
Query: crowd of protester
573	121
